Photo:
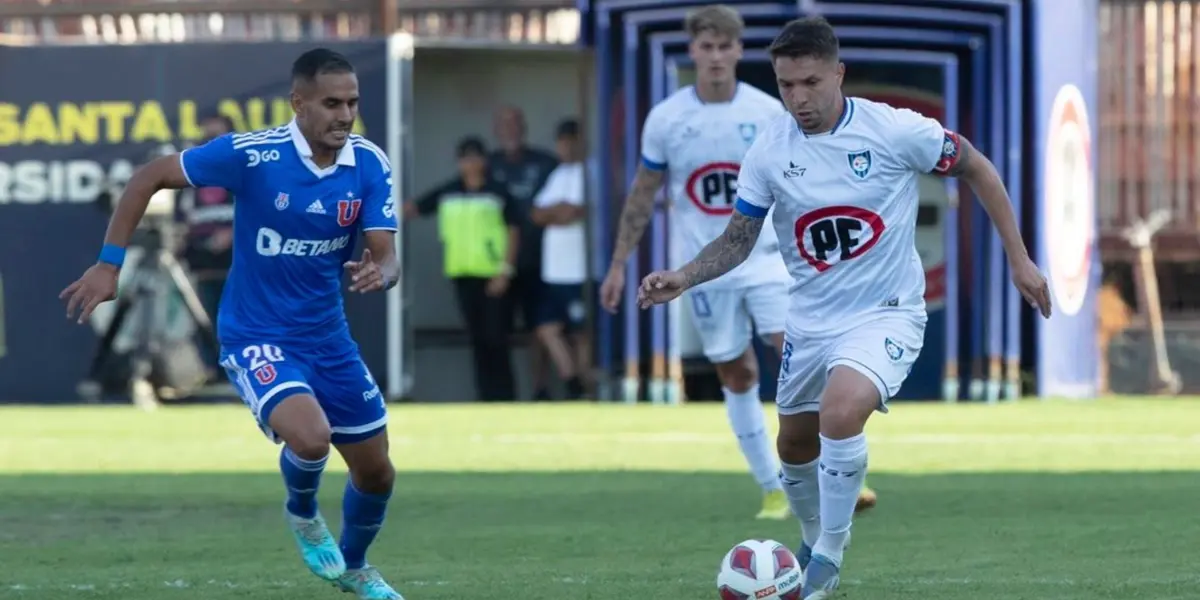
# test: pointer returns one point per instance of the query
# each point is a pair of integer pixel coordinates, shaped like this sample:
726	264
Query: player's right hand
613	288
660	287
98	284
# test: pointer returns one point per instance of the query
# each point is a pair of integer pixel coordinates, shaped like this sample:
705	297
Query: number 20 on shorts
261	357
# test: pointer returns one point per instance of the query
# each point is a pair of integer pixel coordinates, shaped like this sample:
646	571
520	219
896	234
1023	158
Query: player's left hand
1031	283
365	274
660	287
497	285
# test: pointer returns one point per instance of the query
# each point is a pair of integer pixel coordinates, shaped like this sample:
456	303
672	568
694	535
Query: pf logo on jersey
833	234
713	188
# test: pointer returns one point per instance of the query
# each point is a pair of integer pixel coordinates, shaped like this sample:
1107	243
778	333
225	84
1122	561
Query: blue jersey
294	227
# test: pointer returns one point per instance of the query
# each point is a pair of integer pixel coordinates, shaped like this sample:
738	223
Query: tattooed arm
726	252
639	207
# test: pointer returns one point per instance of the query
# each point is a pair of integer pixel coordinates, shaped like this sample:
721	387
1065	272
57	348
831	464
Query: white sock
842	471
746	418
804	495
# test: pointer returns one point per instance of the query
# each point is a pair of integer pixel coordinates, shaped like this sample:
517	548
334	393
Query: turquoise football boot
317	546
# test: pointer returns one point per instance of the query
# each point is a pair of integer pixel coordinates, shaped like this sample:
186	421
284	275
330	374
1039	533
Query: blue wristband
113	255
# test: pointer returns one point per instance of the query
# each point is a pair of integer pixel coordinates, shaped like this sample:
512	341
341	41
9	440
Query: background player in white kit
841	174
700	134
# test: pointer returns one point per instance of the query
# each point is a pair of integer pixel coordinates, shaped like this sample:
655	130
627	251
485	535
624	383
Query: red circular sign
1068	200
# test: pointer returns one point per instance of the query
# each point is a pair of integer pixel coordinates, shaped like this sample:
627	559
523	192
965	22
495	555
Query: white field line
691	438
668	438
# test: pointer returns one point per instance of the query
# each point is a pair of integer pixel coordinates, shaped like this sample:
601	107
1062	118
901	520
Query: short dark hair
319	61
470	145
811	37
567	128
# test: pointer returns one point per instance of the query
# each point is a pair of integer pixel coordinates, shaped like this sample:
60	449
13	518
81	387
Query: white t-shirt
564	247
845	209
701	146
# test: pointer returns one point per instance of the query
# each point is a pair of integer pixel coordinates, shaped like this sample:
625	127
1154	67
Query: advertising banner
1065	174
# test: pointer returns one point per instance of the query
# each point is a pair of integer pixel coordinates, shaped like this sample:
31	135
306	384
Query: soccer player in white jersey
699	135
841	176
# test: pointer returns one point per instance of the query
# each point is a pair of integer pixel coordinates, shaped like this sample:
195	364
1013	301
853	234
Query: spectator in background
208	244
559	208
523	170
479	226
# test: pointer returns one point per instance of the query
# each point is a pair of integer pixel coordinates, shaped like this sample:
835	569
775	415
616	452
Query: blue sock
302	478
362	516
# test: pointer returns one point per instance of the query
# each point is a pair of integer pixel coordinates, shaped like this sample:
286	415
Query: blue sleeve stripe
750	210
183	167
653	166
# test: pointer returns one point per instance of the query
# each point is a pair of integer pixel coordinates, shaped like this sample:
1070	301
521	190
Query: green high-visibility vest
473	233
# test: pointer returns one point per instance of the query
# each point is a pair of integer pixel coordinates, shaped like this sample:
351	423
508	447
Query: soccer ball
759	570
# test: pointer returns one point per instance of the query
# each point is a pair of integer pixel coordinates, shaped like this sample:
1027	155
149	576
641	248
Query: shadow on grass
620	534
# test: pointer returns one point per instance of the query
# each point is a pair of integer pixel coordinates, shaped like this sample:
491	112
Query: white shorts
883	348
726	318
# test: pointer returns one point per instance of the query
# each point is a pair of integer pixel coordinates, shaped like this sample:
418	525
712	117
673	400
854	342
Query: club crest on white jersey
860	163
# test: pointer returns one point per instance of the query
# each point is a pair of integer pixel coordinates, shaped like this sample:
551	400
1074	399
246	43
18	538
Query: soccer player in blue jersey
303	191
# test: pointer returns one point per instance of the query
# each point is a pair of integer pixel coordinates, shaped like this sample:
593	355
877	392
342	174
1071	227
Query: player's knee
798	441
310	445
849	399
301	423
310	441
374	477
740	374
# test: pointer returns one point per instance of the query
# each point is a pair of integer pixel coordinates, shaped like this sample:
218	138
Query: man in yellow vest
478	226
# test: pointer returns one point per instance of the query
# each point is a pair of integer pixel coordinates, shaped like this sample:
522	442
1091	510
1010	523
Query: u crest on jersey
347	211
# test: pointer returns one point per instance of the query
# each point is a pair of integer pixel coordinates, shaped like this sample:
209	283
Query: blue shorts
562	303
265	373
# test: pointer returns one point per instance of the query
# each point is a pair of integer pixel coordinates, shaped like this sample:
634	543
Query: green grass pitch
1056	500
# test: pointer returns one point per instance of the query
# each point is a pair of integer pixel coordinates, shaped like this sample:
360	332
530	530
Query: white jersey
701	146
845	209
